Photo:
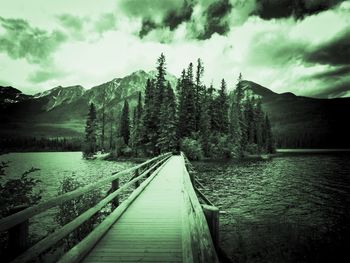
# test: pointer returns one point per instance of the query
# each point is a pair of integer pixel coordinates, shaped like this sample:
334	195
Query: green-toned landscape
174	131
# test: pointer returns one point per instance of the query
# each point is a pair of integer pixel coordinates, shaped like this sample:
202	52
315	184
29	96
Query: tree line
202	121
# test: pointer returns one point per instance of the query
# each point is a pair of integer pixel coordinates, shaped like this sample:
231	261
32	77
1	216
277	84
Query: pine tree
181	104
124	129
160	86
137	125
222	108
211	94
235	129
149	119
240	107
199	93
259	125
249	120
269	141
167	139
90	132
190	106
187	117
204	123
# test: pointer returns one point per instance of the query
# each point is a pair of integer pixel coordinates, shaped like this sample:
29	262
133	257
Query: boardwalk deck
151	229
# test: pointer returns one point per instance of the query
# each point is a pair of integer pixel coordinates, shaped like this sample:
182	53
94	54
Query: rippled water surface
293	208
54	166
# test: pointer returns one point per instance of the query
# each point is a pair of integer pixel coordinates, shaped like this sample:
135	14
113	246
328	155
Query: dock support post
212	216
137	183
18	235
115	186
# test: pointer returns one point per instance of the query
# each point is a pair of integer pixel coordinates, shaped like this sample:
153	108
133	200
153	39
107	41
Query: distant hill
61	112
305	122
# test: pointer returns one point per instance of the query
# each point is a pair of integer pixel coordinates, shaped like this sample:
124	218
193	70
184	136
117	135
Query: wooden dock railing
202	222
147	170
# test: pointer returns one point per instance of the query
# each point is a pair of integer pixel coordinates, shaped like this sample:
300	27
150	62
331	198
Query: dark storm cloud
215	16
170	18
334	89
338	72
21	40
334	52
147	26
269	9
177	16
216	19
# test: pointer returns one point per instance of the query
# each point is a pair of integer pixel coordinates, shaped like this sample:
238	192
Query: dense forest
9	144
201	121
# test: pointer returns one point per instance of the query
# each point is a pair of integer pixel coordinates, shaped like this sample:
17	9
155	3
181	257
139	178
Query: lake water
293	208
54	166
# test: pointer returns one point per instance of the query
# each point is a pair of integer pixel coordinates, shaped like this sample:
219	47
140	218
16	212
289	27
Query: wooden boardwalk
150	230
162	220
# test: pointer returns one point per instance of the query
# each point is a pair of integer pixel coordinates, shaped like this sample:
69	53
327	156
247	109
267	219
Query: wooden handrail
203	249
12	220
52	239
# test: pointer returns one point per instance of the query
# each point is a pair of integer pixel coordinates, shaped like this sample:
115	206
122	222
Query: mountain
305	122
10	95
62	111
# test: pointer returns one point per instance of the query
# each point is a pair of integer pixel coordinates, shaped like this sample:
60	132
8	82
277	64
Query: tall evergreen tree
249	120
160	79
199	92
124	129
259	125
167	139
181	89
187	104
211	95
204	123
222	108
269	141
239	95
160	86
149	119
235	129
90	132
138	125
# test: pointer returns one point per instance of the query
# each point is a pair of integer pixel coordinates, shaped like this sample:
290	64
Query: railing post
115	186
137	183
212	216
18	234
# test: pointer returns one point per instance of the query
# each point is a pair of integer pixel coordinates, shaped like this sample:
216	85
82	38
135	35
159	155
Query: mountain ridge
297	121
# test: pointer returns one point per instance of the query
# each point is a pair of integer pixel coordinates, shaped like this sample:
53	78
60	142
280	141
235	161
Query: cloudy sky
299	46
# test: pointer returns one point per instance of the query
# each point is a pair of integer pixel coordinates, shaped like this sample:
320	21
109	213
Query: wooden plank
159	207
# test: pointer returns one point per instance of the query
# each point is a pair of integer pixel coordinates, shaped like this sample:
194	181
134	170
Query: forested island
199	120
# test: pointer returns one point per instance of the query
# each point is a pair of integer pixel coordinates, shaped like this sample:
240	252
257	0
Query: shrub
252	148
221	147
14	193
192	149
20	191
69	210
